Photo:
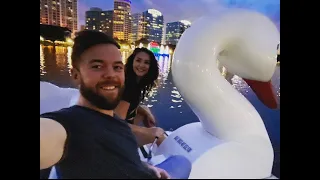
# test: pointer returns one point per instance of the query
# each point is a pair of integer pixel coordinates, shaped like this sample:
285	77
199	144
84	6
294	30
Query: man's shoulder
59	113
66	116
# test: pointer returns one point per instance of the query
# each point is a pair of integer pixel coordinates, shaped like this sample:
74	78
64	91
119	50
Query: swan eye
223	53
231	49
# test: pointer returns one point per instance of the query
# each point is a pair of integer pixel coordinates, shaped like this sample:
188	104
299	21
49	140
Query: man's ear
75	74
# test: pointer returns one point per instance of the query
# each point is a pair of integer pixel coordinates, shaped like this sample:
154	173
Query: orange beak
264	91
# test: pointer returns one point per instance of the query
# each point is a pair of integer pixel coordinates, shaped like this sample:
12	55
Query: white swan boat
231	140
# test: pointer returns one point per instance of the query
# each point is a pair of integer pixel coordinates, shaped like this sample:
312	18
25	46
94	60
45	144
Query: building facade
153	25
122	20
149	25
99	20
137	27
62	13
174	31
50	12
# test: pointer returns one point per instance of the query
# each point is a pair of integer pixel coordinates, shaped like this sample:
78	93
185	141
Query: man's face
101	76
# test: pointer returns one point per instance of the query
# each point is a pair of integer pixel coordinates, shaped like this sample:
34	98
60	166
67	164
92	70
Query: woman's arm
142	111
122	109
147	116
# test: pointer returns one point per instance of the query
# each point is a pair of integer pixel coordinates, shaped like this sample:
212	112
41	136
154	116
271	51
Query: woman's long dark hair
149	80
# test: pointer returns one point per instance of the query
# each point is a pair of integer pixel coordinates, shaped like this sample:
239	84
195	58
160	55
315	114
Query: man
87	140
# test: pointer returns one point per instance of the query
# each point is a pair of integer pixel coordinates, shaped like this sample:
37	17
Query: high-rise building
107	22
137	27
149	25
122	21
93	19
62	13
69	14
174	31
153	25
50	12
99	20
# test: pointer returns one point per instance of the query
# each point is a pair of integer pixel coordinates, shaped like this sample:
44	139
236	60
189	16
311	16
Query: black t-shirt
97	146
132	94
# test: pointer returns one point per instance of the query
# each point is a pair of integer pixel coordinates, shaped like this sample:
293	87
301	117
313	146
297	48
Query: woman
141	71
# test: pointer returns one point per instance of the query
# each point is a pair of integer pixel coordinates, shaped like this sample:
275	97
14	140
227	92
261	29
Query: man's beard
101	102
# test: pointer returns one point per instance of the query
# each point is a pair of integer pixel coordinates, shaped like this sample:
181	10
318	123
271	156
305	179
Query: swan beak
264	91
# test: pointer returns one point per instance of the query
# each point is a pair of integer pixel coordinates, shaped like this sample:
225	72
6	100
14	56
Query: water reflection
163	63
42	71
69	50
125	55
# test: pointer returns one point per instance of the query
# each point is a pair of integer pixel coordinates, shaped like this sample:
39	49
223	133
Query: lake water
165	102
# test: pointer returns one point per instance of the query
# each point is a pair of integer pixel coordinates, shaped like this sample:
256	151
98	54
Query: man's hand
147	135
156	132
160	173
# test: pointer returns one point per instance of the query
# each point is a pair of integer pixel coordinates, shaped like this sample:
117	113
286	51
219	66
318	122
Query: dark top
132	95
98	146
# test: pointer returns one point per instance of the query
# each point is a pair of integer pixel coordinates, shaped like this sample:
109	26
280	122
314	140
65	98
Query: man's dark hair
85	40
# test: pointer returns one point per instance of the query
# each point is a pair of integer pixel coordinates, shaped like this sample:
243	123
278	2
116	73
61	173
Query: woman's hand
149	120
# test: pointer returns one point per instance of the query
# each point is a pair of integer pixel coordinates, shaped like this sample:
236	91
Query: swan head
252	53
244	42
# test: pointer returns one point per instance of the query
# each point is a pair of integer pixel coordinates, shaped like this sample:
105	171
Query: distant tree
144	41
53	33
121	41
171	46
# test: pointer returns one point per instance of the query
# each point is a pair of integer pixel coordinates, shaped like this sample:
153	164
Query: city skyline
185	9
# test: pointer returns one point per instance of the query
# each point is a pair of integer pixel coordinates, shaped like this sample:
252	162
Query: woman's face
141	64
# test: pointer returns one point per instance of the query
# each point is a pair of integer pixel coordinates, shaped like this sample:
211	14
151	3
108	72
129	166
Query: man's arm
52	140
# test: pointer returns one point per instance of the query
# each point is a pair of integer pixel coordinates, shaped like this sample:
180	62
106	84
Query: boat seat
177	166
